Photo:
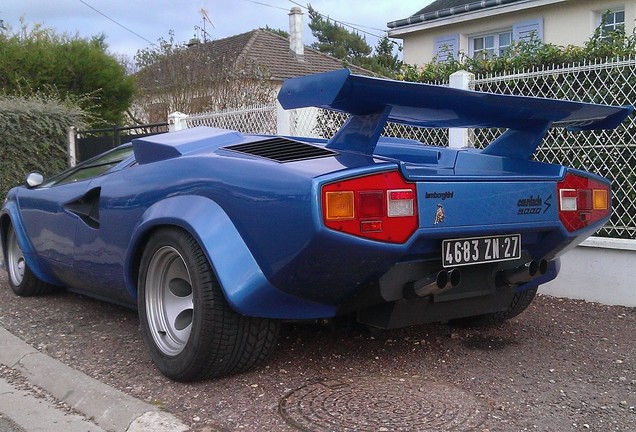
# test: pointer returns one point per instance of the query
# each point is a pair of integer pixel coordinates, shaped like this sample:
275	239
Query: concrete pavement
23	412
107	408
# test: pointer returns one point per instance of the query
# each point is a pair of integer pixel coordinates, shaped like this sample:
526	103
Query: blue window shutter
447	47
525	30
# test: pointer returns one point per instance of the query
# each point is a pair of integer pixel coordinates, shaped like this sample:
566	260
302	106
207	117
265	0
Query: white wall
570	22
601	270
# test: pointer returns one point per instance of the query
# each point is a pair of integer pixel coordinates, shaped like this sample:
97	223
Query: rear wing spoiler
372	102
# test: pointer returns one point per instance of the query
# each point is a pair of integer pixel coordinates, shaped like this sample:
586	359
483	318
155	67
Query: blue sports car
217	236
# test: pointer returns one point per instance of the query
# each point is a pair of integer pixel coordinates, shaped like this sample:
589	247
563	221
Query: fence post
115	136
459	137
283	120
72	146
177	121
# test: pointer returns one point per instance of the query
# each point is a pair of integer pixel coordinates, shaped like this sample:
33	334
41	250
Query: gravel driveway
562	365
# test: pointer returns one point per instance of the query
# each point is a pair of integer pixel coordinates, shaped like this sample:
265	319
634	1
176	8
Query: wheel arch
10	218
5	221
242	281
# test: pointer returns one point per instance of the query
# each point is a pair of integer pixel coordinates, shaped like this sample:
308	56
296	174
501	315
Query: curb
109	408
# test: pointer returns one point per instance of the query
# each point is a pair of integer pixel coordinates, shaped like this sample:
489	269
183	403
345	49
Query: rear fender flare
246	288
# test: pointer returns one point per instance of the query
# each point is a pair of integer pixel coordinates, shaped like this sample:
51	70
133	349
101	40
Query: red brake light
383	207
371	204
582	201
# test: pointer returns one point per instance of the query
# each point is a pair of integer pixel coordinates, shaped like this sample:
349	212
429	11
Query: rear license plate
475	250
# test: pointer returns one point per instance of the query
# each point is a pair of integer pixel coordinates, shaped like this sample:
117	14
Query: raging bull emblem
439	214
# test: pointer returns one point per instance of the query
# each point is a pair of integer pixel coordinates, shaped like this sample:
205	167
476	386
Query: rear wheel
519	303
188	326
22	280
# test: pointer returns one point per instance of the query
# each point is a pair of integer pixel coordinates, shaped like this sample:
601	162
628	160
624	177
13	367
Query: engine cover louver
282	150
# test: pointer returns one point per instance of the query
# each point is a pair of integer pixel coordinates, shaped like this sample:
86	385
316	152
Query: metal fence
611	154
89	143
255	120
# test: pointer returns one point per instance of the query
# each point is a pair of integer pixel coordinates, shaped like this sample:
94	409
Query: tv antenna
206	19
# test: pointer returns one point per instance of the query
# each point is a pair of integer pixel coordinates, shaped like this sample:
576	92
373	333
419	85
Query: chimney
296	44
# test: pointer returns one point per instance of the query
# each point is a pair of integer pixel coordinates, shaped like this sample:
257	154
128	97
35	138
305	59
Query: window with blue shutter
528	30
447	47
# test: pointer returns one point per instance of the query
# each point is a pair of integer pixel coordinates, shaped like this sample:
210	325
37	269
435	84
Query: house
234	72
448	27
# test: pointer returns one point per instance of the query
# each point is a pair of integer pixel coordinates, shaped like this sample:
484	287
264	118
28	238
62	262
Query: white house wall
570	22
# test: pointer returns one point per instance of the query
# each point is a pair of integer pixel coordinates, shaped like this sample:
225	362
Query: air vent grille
282	150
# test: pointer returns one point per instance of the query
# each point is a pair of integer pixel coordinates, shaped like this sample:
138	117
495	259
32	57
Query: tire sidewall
182	366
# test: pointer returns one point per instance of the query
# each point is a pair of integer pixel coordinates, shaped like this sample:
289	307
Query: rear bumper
479	295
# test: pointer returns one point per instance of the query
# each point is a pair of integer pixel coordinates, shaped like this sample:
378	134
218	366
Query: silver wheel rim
168	300
15	259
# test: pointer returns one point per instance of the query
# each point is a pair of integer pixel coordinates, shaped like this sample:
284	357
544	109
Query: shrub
34	135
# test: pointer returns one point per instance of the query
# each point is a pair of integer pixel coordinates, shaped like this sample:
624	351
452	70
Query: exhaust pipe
522	274
433	284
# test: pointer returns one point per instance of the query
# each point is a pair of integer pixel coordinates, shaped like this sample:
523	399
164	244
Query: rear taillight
378	206
582	201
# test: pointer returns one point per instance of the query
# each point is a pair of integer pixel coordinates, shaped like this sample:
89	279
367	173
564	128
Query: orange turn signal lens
600	199
340	205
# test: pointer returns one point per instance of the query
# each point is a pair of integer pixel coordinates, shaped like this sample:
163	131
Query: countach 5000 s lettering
216	236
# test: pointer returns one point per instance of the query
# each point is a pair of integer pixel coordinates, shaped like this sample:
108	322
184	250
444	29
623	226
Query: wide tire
21	279
186	322
520	303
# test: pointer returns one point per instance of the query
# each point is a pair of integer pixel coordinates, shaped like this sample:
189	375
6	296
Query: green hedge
34	136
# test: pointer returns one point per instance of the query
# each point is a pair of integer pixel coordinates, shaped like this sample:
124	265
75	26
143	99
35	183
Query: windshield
92	167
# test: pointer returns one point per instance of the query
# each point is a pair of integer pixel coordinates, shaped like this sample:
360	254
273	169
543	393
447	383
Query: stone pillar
459	137
177	121
283	120
72	146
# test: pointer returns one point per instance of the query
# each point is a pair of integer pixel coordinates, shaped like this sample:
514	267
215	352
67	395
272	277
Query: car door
53	212
49	226
101	235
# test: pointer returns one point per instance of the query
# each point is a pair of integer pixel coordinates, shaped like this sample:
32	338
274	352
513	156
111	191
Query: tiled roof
245	53
271	51
443	4
445	8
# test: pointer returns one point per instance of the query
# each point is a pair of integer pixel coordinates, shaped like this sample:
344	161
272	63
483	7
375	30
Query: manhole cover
381	404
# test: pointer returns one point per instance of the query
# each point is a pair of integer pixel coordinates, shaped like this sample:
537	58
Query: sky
130	25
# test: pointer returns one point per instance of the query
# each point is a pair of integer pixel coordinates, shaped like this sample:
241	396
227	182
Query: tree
383	61
279	32
37	60
337	41
201	77
384	55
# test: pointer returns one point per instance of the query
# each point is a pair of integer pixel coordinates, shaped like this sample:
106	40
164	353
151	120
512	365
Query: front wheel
186	323
21	279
